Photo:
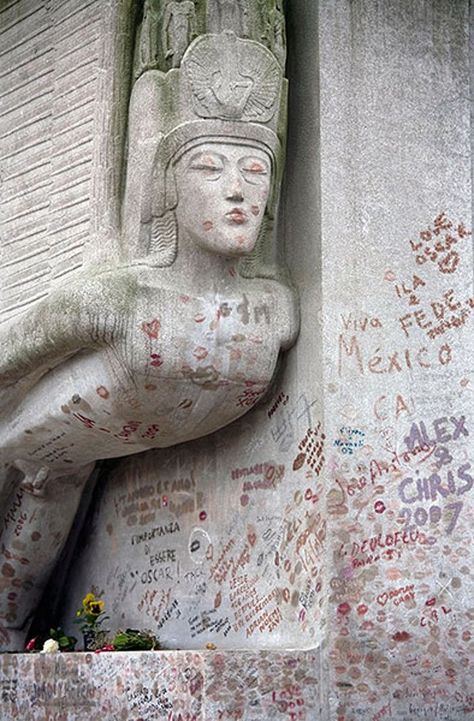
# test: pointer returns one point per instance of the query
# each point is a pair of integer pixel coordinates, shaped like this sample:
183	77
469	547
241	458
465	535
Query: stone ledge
162	685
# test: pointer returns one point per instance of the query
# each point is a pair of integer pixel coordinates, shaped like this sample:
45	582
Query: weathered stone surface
176	686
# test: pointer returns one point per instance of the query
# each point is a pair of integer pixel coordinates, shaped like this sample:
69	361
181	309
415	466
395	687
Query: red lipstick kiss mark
151	328
343	608
379	507
255	210
102	392
199	318
401	636
244	499
430	602
202	516
298	462
185	298
156	360
208	225
200	353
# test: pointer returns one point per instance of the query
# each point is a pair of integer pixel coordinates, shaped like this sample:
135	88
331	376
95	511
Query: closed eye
252	167
205	166
256	171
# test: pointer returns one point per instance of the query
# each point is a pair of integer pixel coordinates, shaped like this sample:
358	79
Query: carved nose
235	194
233	189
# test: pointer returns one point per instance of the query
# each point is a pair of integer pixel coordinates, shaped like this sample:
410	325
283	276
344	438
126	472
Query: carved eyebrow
205	160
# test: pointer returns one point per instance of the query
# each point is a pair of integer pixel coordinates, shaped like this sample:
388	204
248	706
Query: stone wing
203	69
266	74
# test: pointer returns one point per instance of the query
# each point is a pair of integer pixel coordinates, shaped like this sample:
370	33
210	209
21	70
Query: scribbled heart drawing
151	328
382	598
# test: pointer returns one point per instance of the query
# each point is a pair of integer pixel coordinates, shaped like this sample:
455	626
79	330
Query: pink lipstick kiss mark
200	353
184	298
237	216
255	210
199	318
156	360
208	225
151	328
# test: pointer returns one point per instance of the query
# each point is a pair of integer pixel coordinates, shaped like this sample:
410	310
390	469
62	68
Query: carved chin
240	243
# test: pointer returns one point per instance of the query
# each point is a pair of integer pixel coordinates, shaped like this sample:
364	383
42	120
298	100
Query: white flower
50	646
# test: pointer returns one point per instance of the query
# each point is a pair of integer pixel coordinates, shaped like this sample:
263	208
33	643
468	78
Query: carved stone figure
173	340
274	35
146	47
179	27
227	15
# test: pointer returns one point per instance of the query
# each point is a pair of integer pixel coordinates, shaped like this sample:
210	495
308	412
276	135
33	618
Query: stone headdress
226	88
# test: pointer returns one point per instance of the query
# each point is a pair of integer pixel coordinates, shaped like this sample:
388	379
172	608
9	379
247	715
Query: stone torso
181	367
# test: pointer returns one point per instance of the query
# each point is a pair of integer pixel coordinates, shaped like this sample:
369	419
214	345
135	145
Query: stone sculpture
178	336
179	27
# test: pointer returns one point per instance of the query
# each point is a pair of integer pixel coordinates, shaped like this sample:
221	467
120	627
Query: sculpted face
222	194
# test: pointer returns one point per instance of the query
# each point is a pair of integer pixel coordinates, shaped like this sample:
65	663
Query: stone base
163	685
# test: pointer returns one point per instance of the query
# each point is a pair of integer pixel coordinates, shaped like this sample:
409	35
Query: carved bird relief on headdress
243	87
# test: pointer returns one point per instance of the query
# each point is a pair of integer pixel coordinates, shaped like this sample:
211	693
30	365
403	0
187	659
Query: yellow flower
92	605
95	608
88	598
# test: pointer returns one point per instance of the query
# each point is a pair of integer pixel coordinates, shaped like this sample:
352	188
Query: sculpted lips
237	216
